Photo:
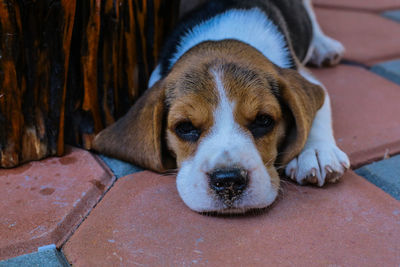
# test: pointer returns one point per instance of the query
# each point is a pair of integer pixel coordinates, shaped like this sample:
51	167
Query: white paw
326	52
318	163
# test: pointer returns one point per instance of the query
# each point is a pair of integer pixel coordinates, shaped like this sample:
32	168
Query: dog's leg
324	51
320	160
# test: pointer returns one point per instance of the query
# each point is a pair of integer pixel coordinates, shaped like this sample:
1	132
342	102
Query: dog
232	107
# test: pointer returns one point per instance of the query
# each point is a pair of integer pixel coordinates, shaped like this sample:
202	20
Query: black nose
229	184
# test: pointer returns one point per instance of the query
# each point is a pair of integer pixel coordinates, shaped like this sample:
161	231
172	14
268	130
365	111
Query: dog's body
230	103
260	24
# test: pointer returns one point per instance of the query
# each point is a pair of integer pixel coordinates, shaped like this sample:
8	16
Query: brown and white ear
137	137
303	99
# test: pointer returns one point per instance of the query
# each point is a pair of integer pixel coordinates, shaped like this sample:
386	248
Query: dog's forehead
243	81
239	81
192	81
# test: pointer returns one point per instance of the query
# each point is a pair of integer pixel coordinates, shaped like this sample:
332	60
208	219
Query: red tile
365	112
369	5
142	221
42	202
368	38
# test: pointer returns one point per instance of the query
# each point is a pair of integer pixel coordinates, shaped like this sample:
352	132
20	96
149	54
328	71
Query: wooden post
69	68
35	38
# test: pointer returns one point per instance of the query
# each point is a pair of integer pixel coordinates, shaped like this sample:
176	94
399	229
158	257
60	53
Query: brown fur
199	111
137	137
188	92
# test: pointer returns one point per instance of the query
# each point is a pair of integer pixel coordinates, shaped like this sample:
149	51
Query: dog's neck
249	26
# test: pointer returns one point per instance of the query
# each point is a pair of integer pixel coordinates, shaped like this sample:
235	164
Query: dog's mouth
229	202
237	205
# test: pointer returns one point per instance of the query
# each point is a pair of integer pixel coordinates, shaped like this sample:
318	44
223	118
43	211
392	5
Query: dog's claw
329	169
345	165
292	174
319	163
327	51
313	172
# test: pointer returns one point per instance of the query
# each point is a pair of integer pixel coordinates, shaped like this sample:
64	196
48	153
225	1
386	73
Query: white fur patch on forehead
224	113
250	26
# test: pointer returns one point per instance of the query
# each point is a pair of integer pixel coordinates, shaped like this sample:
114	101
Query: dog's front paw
327	51
318	163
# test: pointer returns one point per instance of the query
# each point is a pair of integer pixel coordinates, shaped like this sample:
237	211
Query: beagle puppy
232	107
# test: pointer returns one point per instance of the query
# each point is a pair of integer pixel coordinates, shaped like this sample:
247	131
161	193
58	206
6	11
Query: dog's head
227	117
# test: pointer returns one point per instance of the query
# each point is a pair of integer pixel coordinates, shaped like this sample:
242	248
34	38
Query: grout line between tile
353	63
355	9
114	180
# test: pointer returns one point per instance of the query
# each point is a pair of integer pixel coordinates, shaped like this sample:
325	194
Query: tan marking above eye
191	108
252	104
250	89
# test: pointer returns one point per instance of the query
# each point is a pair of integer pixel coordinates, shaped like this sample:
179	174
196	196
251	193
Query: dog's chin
234	211
198	197
208	204
238	210
213	205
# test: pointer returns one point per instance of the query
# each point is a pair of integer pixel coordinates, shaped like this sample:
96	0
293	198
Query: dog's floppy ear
303	99
137	137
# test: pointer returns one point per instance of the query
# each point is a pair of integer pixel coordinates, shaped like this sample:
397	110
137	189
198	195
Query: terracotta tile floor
359	5
352	223
43	202
360	100
370	38
142	221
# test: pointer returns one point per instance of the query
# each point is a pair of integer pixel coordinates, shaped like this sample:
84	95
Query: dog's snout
229	184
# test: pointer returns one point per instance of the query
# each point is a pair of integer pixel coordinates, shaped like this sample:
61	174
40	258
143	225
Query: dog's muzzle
228	184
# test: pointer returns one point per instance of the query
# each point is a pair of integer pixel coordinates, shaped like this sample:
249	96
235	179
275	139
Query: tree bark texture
69	68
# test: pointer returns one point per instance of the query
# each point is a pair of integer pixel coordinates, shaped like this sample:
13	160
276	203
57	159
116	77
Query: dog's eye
186	131
261	125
